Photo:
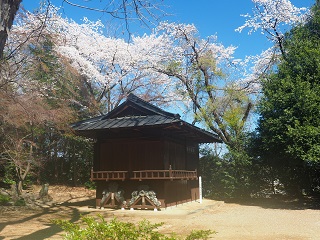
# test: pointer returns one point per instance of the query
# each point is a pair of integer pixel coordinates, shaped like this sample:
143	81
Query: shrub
200	234
4	199
91	229
90	185
20	202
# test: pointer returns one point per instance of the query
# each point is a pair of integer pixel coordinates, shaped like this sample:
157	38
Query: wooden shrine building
144	157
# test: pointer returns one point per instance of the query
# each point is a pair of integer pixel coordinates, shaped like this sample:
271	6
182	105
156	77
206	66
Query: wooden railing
144	175
108	175
184	174
151	174
164	174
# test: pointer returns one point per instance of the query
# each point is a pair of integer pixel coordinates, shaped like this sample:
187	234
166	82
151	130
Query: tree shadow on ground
79	203
279	202
52	229
70	208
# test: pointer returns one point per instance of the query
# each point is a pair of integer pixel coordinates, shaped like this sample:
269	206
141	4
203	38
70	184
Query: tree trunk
20	187
74	165
14	192
21	176
44	191
8	10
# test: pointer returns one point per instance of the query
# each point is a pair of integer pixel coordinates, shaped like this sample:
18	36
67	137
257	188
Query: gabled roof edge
143	104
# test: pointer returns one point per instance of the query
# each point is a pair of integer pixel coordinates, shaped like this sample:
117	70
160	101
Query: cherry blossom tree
271	16
208	81
111	68
202	70
255	68
145	11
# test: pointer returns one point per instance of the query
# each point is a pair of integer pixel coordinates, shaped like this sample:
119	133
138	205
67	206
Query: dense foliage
289	126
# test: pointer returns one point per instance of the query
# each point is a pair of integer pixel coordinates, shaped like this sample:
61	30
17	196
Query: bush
90	185
20	202
200	234
4	199
89	228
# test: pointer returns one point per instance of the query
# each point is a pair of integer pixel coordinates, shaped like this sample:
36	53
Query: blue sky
209	16
223	17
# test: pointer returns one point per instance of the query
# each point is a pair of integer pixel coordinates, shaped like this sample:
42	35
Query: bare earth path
229	220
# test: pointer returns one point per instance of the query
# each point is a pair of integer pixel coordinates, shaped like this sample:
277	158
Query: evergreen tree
289	126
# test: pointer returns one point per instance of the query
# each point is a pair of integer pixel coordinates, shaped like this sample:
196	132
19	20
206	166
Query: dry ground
269	219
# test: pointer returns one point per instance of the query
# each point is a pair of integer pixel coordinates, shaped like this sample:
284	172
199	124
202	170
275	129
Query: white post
200	189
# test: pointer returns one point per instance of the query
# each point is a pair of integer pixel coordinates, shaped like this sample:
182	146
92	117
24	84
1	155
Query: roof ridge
133	98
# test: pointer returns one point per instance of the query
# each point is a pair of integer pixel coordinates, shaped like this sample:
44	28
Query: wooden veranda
144	175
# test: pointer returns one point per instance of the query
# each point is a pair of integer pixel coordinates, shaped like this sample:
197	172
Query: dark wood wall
192	156
145	154
131	155
181	155
175	155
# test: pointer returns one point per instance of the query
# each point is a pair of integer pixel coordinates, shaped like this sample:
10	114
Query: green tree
34	130
289	127
230	175
65	158
218	181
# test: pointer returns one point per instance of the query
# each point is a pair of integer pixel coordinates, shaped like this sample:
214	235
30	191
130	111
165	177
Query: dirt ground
265	220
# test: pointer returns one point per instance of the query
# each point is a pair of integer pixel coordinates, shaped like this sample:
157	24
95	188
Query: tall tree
109	69
204	77
206	80
41	97
289	132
